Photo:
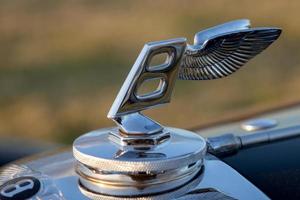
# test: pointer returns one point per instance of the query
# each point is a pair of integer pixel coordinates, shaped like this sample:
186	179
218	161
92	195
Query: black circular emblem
20	188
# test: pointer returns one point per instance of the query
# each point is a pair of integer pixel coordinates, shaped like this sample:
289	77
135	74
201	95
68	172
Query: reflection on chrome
142	159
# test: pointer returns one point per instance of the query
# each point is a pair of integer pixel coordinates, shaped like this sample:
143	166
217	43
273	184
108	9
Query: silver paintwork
259	124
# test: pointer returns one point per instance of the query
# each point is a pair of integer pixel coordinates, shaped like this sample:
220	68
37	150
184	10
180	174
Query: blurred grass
63	62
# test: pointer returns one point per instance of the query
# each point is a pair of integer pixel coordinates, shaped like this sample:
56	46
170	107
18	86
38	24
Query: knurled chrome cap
96	150
108	168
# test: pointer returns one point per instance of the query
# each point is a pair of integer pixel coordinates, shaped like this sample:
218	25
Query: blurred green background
63	62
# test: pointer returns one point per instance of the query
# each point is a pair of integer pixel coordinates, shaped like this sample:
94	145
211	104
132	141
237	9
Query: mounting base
108	168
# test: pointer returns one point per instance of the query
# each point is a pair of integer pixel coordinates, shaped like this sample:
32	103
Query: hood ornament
217	52
140	156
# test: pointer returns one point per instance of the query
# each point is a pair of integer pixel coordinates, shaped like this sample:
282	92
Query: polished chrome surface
217	52
108	167
259	124
59	169
127	141
137	124
12	171
235	25
224	144
232	137
230	143
96	150
141	158
270	136
222	50
129	184
126	107
127	100
48	189
168	194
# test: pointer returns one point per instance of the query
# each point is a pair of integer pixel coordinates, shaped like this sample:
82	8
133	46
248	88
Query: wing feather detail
224	54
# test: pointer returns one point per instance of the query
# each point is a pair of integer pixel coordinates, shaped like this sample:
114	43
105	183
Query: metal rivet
259	124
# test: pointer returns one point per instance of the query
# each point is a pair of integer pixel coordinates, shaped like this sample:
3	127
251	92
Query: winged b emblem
217	52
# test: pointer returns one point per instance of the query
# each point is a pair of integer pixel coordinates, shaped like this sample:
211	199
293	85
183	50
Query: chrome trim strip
269	136
229	143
